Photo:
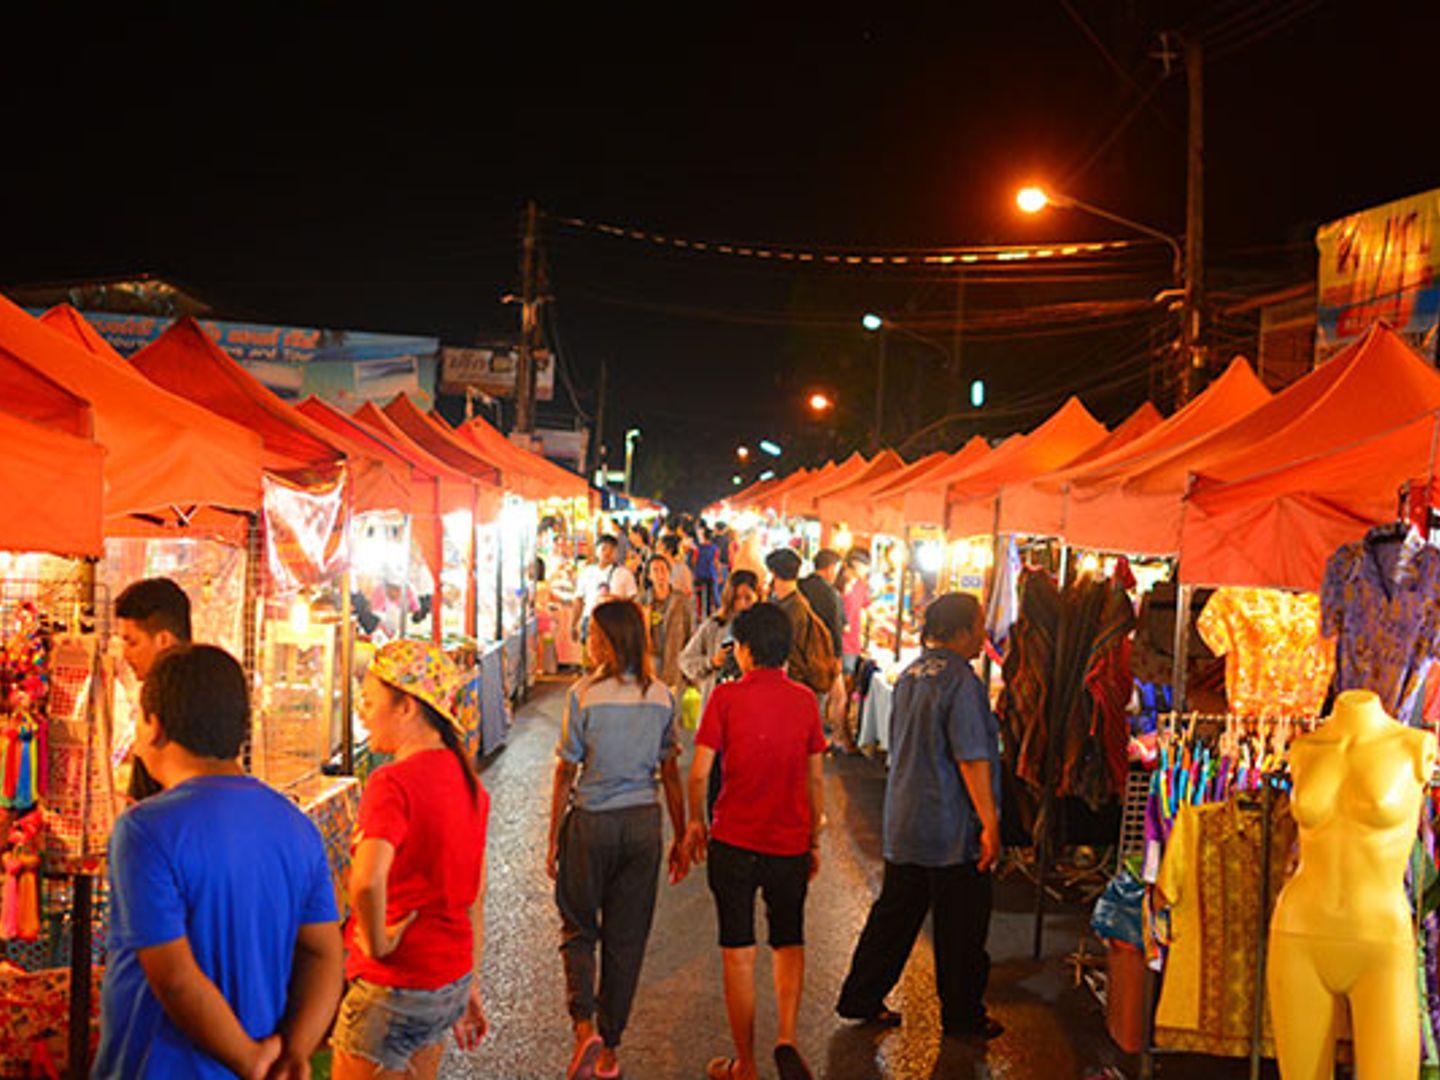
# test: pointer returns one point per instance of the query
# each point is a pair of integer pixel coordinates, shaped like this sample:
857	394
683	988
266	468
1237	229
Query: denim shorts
387	1025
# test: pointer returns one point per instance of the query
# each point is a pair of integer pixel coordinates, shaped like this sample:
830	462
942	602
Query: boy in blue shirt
225	952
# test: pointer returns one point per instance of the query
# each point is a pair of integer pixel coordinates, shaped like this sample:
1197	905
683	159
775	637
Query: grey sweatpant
608	876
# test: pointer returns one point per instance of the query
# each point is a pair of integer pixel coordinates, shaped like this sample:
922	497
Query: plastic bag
1118	912
690	708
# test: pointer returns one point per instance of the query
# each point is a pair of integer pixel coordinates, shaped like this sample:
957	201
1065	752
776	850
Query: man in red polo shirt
765	833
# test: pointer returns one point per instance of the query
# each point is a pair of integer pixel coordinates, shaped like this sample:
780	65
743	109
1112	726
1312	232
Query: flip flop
791	1065
613	1074
721	1068
582	1066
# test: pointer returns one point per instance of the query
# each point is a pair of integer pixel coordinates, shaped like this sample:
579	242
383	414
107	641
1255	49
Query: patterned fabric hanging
24	697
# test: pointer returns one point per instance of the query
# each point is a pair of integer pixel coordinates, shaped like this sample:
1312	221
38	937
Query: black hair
950	614
765	630
826	558
199	696
623	634
447	733
606	538
670	544
156	604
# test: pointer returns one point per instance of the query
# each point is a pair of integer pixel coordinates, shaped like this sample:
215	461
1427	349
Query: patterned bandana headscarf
424	671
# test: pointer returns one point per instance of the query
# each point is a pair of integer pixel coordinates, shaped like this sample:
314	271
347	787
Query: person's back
826	603
422	805
235	868
618	734
929	819
766	725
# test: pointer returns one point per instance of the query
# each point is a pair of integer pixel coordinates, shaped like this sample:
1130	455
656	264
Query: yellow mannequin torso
1342	929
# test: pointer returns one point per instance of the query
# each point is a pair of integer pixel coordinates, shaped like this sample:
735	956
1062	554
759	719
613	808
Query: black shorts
736	873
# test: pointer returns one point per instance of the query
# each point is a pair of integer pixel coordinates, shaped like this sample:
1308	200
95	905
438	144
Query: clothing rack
1149	1051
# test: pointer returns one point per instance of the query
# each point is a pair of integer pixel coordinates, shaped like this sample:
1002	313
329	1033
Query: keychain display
24	700
20	882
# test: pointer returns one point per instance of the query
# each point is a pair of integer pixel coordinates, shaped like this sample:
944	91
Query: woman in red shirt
417	881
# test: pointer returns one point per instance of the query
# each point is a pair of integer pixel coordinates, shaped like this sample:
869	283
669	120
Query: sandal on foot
881	1017
582	1065
791	1065
613	1074
721	1068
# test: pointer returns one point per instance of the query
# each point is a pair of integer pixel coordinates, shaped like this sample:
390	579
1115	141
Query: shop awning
850	502
925	475
185	361
1276	524
1018	503
522	471
54	489
162	452
52	471
1277	529
769	497
449	448
799	501
66	320
1374	385
971	498
1081	503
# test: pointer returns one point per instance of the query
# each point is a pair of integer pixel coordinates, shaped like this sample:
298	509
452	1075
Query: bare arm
316	982
816	788
197	1007
472	1026
976	775
369	875
695	833
675	804
561	788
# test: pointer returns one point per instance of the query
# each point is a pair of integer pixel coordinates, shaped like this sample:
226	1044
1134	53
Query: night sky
369	174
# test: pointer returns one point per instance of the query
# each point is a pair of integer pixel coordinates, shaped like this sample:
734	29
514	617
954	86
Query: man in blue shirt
225	953
942	830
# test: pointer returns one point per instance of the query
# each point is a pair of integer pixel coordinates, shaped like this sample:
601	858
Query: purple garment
1382	603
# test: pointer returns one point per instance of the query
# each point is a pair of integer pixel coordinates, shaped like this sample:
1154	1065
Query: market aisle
1054	1032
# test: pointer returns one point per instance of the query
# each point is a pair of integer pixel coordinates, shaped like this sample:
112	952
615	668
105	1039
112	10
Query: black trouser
960	898
609	873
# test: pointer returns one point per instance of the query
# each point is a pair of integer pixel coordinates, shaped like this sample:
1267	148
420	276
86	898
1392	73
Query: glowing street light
771	448
820	403
743	453
1032	199
872	322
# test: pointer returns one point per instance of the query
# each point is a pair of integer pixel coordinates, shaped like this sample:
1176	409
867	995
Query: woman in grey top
706	660
605	832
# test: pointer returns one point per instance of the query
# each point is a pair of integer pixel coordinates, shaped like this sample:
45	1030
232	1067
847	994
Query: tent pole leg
1182	647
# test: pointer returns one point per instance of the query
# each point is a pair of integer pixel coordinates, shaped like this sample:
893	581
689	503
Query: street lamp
631	438
771	448
820	403
743	453
871	321
1033	199
874	324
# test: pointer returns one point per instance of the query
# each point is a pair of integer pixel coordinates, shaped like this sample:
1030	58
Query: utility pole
529	324
880	391
1192	357
600	454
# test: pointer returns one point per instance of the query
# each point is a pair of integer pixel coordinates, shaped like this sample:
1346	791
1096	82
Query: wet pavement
1054	1031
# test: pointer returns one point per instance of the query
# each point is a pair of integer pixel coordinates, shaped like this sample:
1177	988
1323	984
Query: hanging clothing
1211	878
1381	599
1276	663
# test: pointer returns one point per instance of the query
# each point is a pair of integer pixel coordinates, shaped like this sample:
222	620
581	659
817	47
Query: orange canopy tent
1059	503
769	499
451	449
524	472
971	499
185	361
925	476
799	501
1372	385
1278	528
850	502
853	504
66	320
161	451
53	473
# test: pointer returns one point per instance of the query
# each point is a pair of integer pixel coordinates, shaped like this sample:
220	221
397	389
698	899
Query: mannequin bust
1342	927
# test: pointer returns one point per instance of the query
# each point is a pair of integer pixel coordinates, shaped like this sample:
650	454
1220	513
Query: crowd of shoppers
226	954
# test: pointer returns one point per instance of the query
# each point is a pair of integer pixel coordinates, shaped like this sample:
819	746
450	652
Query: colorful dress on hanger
1276	663
1382	600
1210	877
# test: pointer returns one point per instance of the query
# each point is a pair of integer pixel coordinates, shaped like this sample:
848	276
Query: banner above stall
1381	265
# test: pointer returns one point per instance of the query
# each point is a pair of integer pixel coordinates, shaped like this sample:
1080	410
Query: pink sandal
582	1066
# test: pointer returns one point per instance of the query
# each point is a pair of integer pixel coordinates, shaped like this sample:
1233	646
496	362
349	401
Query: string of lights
976	255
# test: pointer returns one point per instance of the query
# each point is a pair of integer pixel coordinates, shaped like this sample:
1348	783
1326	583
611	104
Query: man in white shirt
608	579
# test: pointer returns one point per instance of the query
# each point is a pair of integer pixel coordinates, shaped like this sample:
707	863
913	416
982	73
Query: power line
865	258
